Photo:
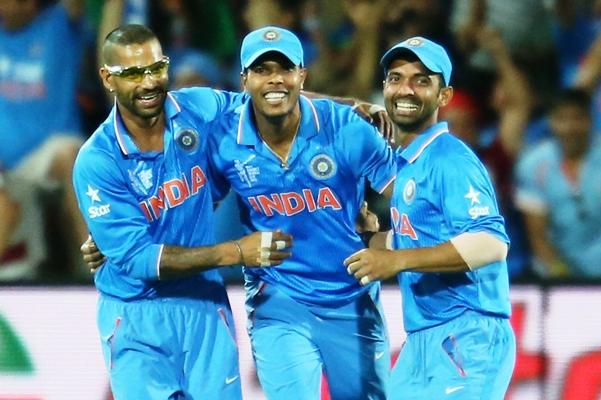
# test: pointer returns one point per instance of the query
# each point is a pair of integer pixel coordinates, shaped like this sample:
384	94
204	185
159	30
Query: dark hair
123	36
571	96
130	34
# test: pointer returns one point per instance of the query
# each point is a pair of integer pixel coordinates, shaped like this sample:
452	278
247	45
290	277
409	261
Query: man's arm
543	249
463	253
111	18
518	103
10	213
259	249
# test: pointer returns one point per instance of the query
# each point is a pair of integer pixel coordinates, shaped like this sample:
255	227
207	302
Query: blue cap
270	38
432	55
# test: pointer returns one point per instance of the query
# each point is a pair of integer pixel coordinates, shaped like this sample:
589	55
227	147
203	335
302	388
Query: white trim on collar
426	144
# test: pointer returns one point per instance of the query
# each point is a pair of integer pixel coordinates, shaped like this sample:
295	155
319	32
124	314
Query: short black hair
572	96
126	35
130	34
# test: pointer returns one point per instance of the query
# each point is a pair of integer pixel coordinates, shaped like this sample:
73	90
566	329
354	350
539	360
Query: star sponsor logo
476	210
473	195
96	211
93	194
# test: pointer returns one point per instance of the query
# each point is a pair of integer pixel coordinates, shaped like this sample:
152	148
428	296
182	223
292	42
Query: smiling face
413	95
274	84
139	99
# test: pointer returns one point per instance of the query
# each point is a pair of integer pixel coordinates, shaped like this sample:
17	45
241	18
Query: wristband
241	260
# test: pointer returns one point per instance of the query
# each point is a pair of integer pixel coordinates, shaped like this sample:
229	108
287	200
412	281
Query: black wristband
366	237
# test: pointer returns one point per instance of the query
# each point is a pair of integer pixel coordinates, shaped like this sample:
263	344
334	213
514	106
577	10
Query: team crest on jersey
409	191
322	167
187	139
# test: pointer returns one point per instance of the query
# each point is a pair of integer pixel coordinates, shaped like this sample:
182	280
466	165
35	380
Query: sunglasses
136	74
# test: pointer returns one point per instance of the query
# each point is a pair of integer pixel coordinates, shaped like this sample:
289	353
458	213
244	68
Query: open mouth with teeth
149	99
274	97
404	107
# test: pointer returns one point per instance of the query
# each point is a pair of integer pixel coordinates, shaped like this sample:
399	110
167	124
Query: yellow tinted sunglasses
136	74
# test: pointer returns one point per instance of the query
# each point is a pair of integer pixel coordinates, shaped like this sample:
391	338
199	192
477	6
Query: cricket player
145	190
299	165
449	244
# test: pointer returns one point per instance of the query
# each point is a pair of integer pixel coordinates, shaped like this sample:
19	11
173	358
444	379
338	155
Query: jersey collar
422	141
310	124
126	143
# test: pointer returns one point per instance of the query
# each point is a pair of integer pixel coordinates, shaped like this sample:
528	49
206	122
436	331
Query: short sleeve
467	195
113	216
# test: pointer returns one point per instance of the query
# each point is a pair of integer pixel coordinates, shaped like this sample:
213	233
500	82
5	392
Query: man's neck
147	133
405	135
278	130
279	133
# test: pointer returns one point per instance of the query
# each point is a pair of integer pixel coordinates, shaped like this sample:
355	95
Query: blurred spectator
348	63
288	14
9	219
576	27
558	192
524	25
499	141
40	51
194	68
203	25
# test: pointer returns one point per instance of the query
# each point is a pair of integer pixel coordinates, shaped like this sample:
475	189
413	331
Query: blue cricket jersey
136	202
39	70
315	197
441	191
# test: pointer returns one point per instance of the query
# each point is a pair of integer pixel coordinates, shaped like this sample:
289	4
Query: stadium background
48	340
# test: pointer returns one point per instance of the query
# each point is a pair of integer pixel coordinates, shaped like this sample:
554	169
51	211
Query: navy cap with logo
270	38
432	55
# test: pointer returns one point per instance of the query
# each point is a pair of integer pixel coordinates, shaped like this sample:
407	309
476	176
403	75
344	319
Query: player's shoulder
338	118
448	151
330	110
193	97
100	146
453	146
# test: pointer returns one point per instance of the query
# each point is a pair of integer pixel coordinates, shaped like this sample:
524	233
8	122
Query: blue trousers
469	358
170	349
294	343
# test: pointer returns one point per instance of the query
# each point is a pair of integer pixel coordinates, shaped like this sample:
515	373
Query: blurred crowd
527	100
